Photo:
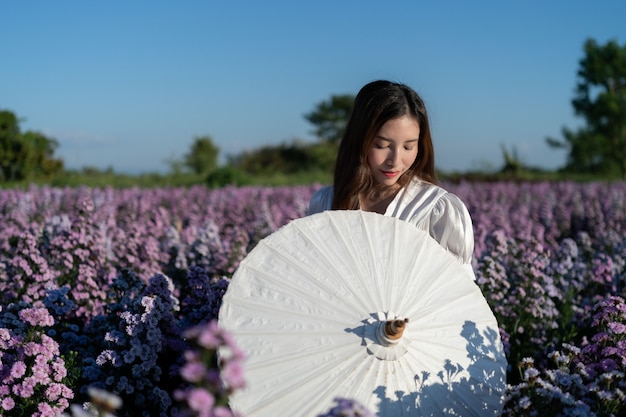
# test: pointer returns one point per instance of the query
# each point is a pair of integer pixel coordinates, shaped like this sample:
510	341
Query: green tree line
596	149
599	146
27	155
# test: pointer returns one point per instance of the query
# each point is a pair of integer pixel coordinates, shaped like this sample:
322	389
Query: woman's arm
451	225
321	201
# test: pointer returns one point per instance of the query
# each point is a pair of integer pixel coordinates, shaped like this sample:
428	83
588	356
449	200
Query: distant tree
202	157
286	158
25	156
330	117
176	164
512	162
600	145
10	144
228	175
39	158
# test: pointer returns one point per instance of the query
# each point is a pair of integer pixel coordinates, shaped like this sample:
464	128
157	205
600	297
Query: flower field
118	290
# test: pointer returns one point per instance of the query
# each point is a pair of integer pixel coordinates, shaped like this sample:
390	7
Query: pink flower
63	403
18	369
32	348
27	387
45	410
8	404
36	316
60	372
193	372
208	339
222	412
5	336
233	375
200	399
41	373
51	347
54	392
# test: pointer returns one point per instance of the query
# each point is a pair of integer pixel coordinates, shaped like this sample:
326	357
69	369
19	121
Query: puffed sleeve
451	226
321	200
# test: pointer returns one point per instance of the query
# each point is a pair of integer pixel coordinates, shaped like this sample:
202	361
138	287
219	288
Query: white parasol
309	305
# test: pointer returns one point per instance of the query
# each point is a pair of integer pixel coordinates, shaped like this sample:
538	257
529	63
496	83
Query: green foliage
10	146
202	157
600	146
324	155
92	177
512	162
227	175
298	178
330	117
287	158
39	159
25	156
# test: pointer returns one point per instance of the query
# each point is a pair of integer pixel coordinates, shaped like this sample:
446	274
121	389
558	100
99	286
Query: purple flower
18	369
543	265
54	391
110	356
8	403
525	403
200	400
617	328
45	410
221	411
233	375
193	371
208	339
348	408
37	317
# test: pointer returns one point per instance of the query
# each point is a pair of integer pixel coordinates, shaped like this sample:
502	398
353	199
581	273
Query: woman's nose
393	157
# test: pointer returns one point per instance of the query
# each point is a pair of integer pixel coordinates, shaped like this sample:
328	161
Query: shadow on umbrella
358	305
447	397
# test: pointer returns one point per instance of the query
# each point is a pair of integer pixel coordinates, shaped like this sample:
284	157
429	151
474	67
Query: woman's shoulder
444	215
449	202
436	193
321	200
451	224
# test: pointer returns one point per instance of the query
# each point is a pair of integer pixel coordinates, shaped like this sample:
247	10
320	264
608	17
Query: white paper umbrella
308	305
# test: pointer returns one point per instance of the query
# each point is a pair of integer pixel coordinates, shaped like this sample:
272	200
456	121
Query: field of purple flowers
118	290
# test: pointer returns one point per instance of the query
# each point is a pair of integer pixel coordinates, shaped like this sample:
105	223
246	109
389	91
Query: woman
386	164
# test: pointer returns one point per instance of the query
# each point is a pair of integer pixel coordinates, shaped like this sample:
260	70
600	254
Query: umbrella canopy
358	305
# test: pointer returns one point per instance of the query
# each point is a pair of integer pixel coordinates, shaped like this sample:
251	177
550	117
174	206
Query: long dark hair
377	103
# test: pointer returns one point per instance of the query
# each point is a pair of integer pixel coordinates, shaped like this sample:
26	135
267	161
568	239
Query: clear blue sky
130	84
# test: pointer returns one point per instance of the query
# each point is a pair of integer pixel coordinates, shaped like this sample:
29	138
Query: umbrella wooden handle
393	329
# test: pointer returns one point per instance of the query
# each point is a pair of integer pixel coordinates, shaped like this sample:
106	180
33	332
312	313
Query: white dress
430	208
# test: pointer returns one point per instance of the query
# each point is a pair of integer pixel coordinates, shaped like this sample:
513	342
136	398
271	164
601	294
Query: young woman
385	164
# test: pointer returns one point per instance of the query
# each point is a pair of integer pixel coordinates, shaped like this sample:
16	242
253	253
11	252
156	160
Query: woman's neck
378	198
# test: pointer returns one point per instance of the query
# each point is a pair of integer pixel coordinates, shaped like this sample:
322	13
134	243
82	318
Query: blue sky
130	84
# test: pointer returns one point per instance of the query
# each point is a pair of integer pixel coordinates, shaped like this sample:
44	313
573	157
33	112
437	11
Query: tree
512	163
600	146
25	156
39	158
10	145
330	117
202	157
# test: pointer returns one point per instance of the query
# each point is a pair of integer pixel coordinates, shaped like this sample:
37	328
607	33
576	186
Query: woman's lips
390	174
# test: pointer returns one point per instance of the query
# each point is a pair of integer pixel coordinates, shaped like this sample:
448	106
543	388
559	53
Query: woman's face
394	150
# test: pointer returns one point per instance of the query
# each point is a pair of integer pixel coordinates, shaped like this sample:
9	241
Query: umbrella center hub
385	336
